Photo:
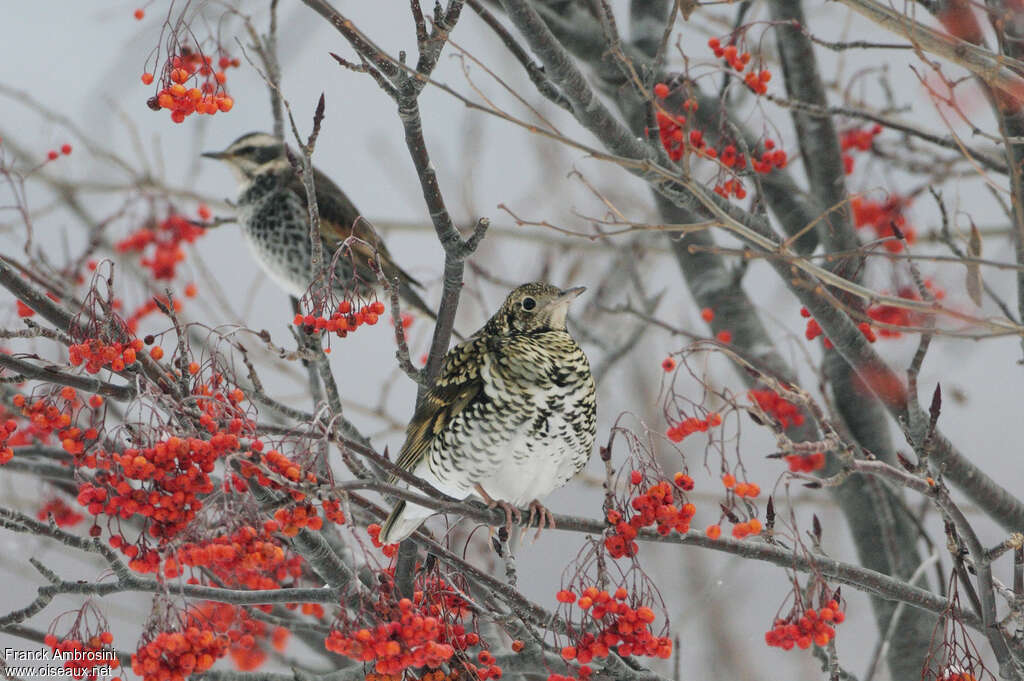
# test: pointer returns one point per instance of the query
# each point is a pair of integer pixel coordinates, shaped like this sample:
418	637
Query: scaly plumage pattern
274	217
513	410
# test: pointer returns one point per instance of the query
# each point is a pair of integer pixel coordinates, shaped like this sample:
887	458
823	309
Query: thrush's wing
340	219
459	383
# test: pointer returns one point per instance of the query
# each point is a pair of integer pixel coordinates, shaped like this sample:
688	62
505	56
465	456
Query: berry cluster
177	654
63	515
247	636
389	550
899	316
166	239
52	155
787	413
173	476
691	425
247	558
856	140
814	330
6	431
801	629
806	463
731	187
344	320
207	94
293	519
618	625
411	640
882	217
46	418
755	80
656	506
770	159
84	656
96	354
750	490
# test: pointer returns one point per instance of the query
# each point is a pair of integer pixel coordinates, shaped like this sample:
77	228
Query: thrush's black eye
529	303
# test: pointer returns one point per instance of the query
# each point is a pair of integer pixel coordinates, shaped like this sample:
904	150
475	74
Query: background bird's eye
529	303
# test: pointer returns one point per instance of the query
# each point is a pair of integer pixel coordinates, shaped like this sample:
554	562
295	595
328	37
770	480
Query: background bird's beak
568	295
215	154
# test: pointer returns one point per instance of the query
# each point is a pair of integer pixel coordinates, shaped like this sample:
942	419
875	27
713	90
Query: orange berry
157	352
225	103
707	314
139	14
713	531
729	480
661	91
147	78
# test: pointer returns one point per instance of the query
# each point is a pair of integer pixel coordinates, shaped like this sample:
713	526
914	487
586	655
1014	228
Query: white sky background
83	60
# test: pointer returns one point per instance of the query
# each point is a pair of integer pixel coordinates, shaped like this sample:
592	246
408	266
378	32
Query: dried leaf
973	280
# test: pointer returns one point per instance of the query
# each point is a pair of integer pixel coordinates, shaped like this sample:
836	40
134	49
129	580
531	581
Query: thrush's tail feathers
403	521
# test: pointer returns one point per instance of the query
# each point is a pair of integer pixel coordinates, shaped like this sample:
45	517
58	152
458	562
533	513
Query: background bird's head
252	154
531	308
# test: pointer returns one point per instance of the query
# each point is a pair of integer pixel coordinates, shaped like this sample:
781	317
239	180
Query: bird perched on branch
511	417
274	216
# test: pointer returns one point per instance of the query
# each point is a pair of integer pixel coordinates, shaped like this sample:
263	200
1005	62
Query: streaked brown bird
273	214
512	415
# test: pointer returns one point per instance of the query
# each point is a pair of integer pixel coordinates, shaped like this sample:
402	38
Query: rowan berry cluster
814	330
670	131
409	640
893	315
619	626
344	320
295	518
207	94
787	413
173	476
63	515
755	80
656	506
856	139
806	463
691	425
166	239
801	629
177	654
389	550
731	187
882	217
770	159
248	558
47	418
93	652
6	431
97	354
247	636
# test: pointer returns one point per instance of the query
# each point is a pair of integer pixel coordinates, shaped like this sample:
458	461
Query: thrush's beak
567	296
215	154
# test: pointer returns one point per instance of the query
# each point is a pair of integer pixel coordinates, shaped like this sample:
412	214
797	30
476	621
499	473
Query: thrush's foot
543	516
511	512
